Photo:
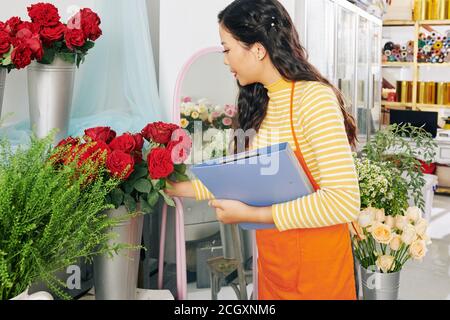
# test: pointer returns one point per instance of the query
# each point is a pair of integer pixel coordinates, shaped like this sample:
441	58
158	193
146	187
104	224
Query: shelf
398	64
443	190
409	23
438	65
422	105
396	104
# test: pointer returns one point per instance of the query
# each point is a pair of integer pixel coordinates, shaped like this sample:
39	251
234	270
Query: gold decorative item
440	94
420	10
447	95
421	92
441	9
432	9
404	92
410	92
431	93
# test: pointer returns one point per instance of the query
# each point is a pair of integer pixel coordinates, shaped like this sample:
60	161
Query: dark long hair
267	22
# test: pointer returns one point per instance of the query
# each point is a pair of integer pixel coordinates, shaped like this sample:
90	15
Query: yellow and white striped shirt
323	141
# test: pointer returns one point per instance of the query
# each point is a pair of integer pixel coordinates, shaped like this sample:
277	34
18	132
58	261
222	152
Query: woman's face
243	62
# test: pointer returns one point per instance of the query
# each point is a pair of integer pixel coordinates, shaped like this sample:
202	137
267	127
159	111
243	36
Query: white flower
379	215
413	214
390	221
400	222
366	218
385	263
409	234
418	249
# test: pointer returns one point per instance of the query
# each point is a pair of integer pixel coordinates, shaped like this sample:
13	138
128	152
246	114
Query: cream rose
421	226
382	233
409	234
385	263
379	215
390	222
418	250
366	218
413	214
400	222
396	242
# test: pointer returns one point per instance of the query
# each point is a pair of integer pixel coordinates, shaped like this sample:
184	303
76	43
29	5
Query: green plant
49	217
400	147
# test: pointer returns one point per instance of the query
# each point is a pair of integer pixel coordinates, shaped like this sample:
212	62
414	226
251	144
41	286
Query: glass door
374	120
345	50
362	78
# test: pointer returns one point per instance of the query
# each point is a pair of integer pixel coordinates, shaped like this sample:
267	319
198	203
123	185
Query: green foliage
397	148
49	218
59	49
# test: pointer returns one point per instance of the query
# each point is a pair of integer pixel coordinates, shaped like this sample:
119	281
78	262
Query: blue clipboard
259	178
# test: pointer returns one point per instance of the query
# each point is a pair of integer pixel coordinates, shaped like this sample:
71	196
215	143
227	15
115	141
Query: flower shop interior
88	92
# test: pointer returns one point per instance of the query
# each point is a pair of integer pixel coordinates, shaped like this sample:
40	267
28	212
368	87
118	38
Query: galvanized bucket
116	278
50	92
2	87
380	286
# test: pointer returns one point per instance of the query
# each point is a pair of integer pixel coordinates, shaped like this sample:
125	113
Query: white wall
185	28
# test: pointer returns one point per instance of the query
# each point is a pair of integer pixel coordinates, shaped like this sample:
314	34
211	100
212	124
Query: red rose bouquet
143	172
46	37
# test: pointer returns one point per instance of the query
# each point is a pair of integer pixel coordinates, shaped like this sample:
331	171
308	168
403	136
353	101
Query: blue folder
259	178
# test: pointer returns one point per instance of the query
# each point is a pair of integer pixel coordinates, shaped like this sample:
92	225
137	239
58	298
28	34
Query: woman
285	99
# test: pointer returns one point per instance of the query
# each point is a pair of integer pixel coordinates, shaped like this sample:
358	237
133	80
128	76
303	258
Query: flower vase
42	295
50	92
115	278
2	87
379	286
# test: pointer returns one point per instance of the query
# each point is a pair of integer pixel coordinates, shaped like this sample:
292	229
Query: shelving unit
414	105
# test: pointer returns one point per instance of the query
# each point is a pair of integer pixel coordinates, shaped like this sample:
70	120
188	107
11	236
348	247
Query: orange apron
305	264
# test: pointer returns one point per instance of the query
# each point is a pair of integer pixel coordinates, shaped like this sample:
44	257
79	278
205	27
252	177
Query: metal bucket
116	278
380	286
2	87
50	92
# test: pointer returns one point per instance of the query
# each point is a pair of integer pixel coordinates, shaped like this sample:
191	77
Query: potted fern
51	216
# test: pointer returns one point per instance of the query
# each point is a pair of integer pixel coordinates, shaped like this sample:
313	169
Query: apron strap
300	157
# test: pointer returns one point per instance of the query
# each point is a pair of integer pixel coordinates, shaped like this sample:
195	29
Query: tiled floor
429	279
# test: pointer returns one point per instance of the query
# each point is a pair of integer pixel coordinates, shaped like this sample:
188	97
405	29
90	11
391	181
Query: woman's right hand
180	189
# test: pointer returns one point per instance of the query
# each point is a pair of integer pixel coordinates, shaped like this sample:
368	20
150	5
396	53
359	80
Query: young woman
285	99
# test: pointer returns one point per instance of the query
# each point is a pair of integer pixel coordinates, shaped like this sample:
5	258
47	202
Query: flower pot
35	296
2	87
380	286
116	278
50	92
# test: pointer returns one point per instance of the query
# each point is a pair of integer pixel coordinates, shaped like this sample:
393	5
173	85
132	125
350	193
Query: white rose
385	263
382	233
413	214
366	218
409	234
427	239
390	221
421	226
395	243
379	215
418	250
400	222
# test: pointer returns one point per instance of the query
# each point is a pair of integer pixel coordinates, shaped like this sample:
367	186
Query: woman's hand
232	212
180	189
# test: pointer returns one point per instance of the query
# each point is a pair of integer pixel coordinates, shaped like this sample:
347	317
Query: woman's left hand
231	212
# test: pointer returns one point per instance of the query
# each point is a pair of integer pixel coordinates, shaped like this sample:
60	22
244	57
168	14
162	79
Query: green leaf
87	46
145	207
167	199
68	57
7	57
181	177
139	172
128	186
130	203
158	184
49	56
117	197
153	199
143	186
180	168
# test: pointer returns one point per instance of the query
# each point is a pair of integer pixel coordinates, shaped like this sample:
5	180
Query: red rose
125	143
160	164
25	36
74	38
21	56
5	42
120	164
2	26
104	134
68	141
93	151
32	27
139	141
11	25
137	155
52	34
90	22
45	14
159	132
